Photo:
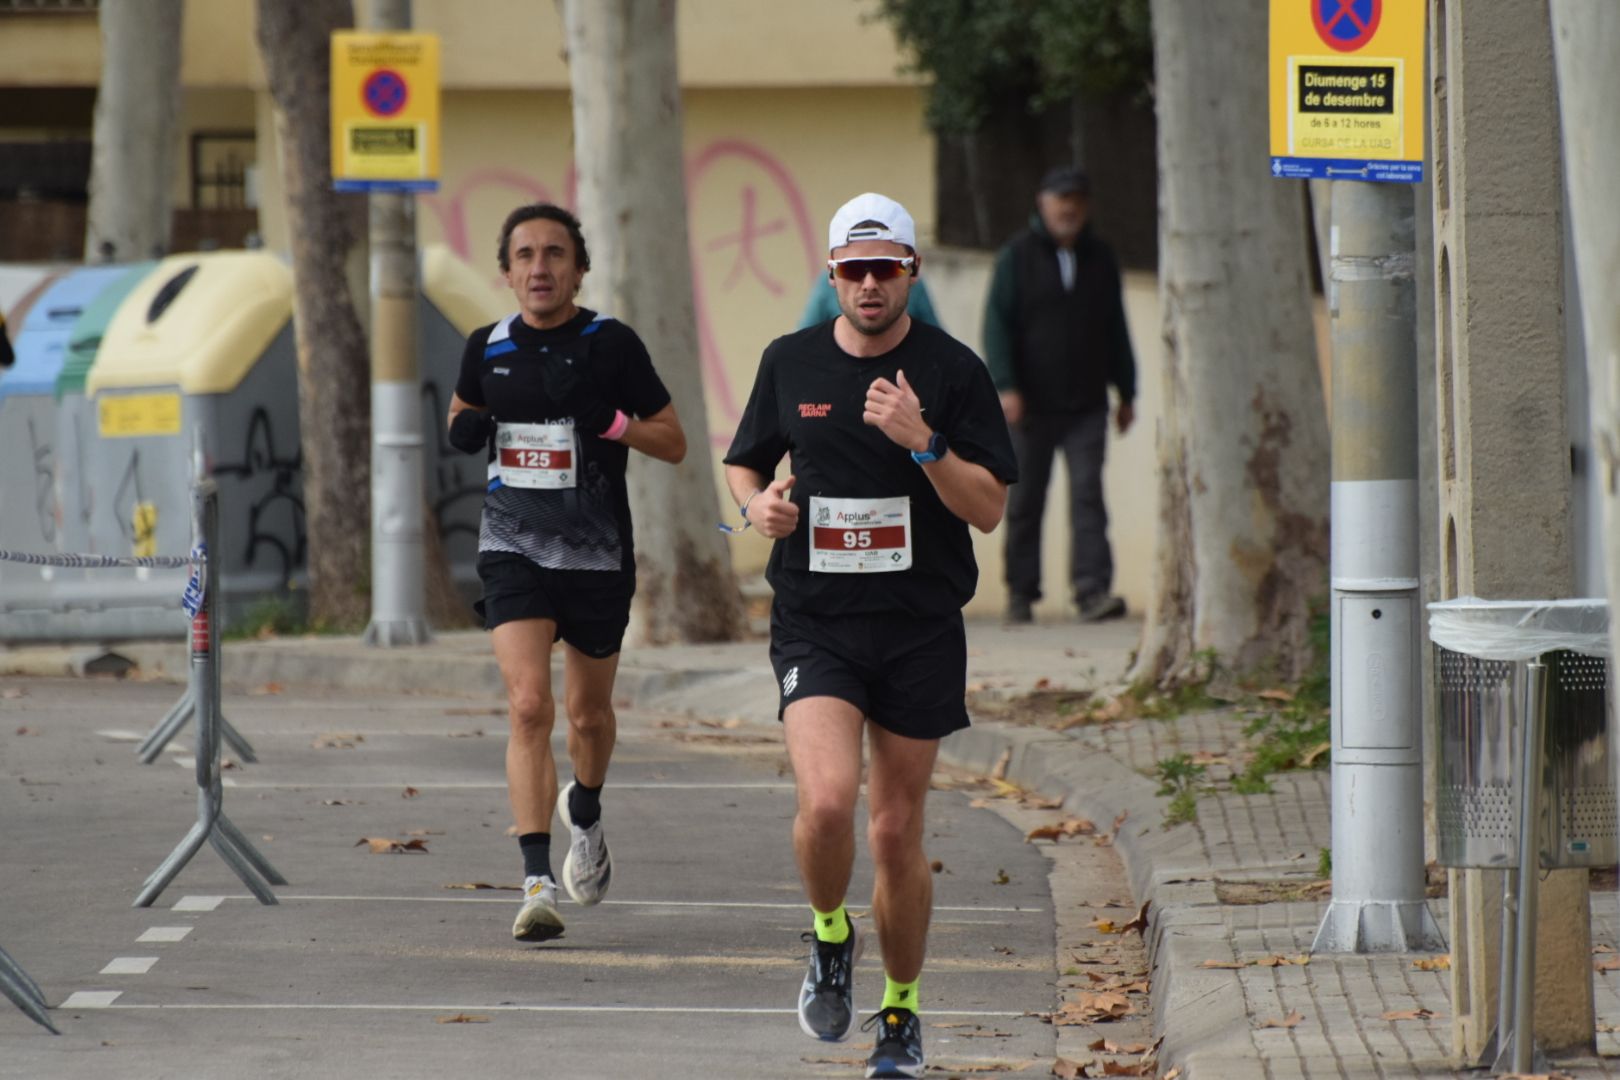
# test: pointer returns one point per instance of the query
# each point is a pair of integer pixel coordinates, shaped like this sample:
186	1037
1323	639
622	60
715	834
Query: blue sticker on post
192	598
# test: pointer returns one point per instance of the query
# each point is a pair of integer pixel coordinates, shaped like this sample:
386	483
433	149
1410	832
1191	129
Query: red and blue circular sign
384	92
1346	25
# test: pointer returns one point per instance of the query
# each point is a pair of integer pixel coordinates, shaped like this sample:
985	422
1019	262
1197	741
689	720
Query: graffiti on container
44	486
271	479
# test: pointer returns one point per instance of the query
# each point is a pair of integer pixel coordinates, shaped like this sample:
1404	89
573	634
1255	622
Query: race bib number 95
860	536
535	455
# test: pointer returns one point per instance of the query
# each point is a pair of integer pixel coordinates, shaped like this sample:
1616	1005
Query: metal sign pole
1521	1041
1378	879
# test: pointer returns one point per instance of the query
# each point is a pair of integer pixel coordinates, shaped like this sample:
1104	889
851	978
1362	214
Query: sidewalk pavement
1232	888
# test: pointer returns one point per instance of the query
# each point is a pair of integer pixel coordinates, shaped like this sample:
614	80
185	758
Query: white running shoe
588	868
538	919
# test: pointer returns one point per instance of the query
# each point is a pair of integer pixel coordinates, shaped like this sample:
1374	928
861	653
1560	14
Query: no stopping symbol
1346	25
384	92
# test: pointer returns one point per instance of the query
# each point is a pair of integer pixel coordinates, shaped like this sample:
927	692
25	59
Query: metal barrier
202	595
201	699
24	992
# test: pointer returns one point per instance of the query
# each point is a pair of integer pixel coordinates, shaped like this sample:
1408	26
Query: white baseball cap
895	222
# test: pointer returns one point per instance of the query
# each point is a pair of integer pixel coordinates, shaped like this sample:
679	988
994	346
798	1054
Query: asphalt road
689	969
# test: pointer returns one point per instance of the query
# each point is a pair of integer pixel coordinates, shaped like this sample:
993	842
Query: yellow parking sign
1347	89
385	111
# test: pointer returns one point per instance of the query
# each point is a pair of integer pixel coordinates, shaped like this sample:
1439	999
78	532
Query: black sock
536	854
584	804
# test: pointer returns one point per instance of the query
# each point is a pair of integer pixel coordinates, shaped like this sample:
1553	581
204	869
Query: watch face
936	445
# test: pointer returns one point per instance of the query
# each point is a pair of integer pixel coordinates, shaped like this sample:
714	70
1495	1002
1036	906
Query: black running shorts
905	673
590	607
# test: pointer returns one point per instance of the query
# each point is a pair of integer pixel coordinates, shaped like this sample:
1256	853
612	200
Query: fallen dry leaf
1059	829
1001	878
1104	926
383	846
475	733
1282	961
1172	1074
267	688
1138	924
1120	819
1043	683
1119	1068
999	770
333	802
1108	1046
483	885
409	793
1608	963
1278	694
1043	802
1408	1014
1064	1069
461	1018
1433	963
1602	948
937	866
1225	965
1291	1020
1089	1008
1309	758
12	693
337	740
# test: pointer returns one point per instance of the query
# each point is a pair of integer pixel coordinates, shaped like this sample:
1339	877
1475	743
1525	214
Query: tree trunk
137	111
627	151
334	382
1586	39
1243	450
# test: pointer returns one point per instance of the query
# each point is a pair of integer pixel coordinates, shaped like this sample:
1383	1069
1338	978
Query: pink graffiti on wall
757	180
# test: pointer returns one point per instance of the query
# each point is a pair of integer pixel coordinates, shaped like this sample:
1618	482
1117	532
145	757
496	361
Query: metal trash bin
1482	650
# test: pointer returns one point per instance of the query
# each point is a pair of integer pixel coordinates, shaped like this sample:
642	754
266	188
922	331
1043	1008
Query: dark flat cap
1066	180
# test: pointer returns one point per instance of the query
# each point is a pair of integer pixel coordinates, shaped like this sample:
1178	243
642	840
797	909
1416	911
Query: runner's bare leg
903	893
824	745
592	726
523	650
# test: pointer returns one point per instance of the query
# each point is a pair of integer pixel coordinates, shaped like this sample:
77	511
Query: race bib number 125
535	455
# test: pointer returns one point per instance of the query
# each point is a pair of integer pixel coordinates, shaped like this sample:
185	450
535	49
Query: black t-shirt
807	401
586	526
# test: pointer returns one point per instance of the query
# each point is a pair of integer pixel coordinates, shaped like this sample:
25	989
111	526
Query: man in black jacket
1055	339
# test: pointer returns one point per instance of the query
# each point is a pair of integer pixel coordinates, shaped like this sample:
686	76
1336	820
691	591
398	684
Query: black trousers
1083	438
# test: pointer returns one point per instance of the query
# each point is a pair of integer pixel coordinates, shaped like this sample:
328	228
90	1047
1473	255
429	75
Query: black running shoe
899	1051
827	998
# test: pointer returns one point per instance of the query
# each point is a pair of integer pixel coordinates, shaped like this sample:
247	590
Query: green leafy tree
1045	52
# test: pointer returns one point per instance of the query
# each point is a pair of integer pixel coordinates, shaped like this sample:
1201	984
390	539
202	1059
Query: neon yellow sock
899	995
832	926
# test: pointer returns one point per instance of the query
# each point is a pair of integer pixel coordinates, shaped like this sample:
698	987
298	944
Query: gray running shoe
538	919
899	1050
1100	607
827	998
588	868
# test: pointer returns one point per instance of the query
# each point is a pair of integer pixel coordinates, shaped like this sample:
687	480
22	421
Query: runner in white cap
898	444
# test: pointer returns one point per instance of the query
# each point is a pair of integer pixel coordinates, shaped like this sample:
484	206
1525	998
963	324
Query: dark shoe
1101	606
827	998
1019	612
899	1051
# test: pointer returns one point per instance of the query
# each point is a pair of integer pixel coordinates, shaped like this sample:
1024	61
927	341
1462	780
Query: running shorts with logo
906	673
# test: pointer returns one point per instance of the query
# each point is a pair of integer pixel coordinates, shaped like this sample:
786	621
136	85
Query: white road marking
198	903
119	735
129	965
165	933
493	785
90	999
468	1008
506	898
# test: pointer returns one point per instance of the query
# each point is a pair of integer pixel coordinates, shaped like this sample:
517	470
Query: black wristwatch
935	451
